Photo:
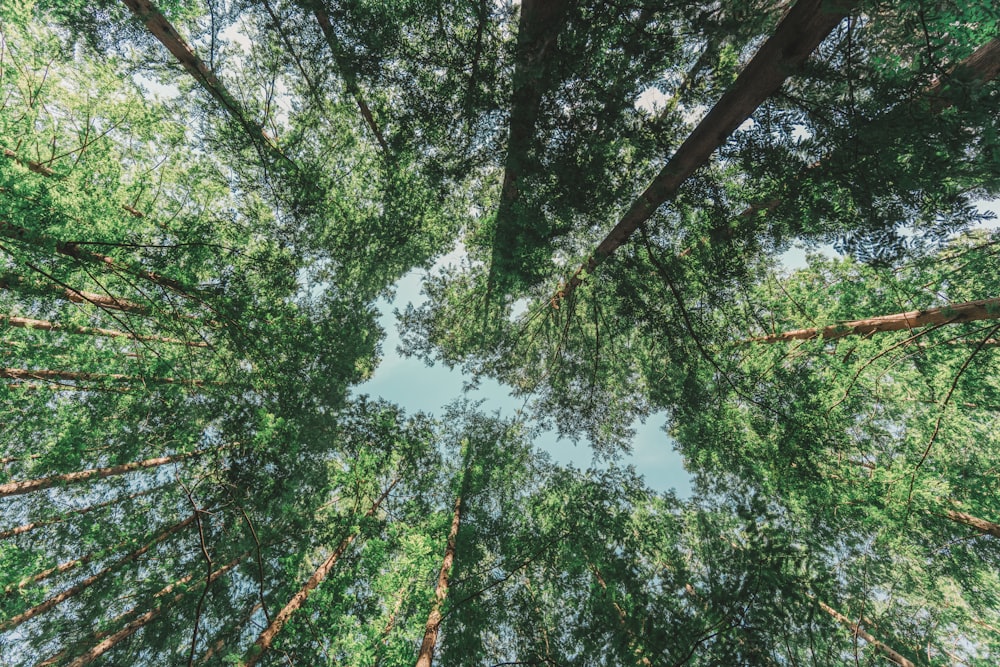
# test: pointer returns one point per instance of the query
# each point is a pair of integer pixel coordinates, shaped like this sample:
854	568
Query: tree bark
77	376
633	643
14	282
982	66
25	527
97	636
982	525
103	301
888	652
267	637
111	640
161	28
59	569
89	581
36	167
31	485
220	643
76	252
797	35
41	169
426	655
970	311
538	28
45	325
390	624
347	71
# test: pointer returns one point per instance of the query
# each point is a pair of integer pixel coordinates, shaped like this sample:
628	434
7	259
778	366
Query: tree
202	201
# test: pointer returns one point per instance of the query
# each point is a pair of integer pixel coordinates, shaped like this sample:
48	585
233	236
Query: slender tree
161	28
425	656
267	636
971	311
798	34
51	602
32	485
347	71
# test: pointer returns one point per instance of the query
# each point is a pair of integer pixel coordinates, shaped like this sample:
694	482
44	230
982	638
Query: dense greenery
202	201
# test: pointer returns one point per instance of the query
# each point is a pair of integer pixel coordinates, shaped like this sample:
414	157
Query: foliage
195	226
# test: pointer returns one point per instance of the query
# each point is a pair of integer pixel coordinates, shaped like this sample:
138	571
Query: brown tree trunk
36	167
76	252
97	636
59	569
89	581
161	28
267	637
970	311
31	485
893	655
41	169
45	325
77	376
982	525
347	71
14	282
538	28
35	386
102	300
798	34
25	527
482	15
111	640
390	624
220	643
982	66
426	655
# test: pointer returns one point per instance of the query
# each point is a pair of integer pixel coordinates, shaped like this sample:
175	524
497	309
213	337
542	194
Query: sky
415	386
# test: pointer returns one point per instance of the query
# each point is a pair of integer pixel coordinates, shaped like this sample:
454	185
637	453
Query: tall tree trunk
45	325
347	71
41	169
982	66
390	624
76	252
982	525
103	301
65	566
32	525
888	652
482	17
78	376
97	636
798	34
111	640
970	311
267	637
426	655
31	485
14	282
36	167
161	28
538	29
91	580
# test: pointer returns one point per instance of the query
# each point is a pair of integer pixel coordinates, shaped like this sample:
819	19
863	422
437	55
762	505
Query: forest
203	202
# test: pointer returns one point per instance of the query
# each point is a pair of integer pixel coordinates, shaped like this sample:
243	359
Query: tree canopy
202	201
